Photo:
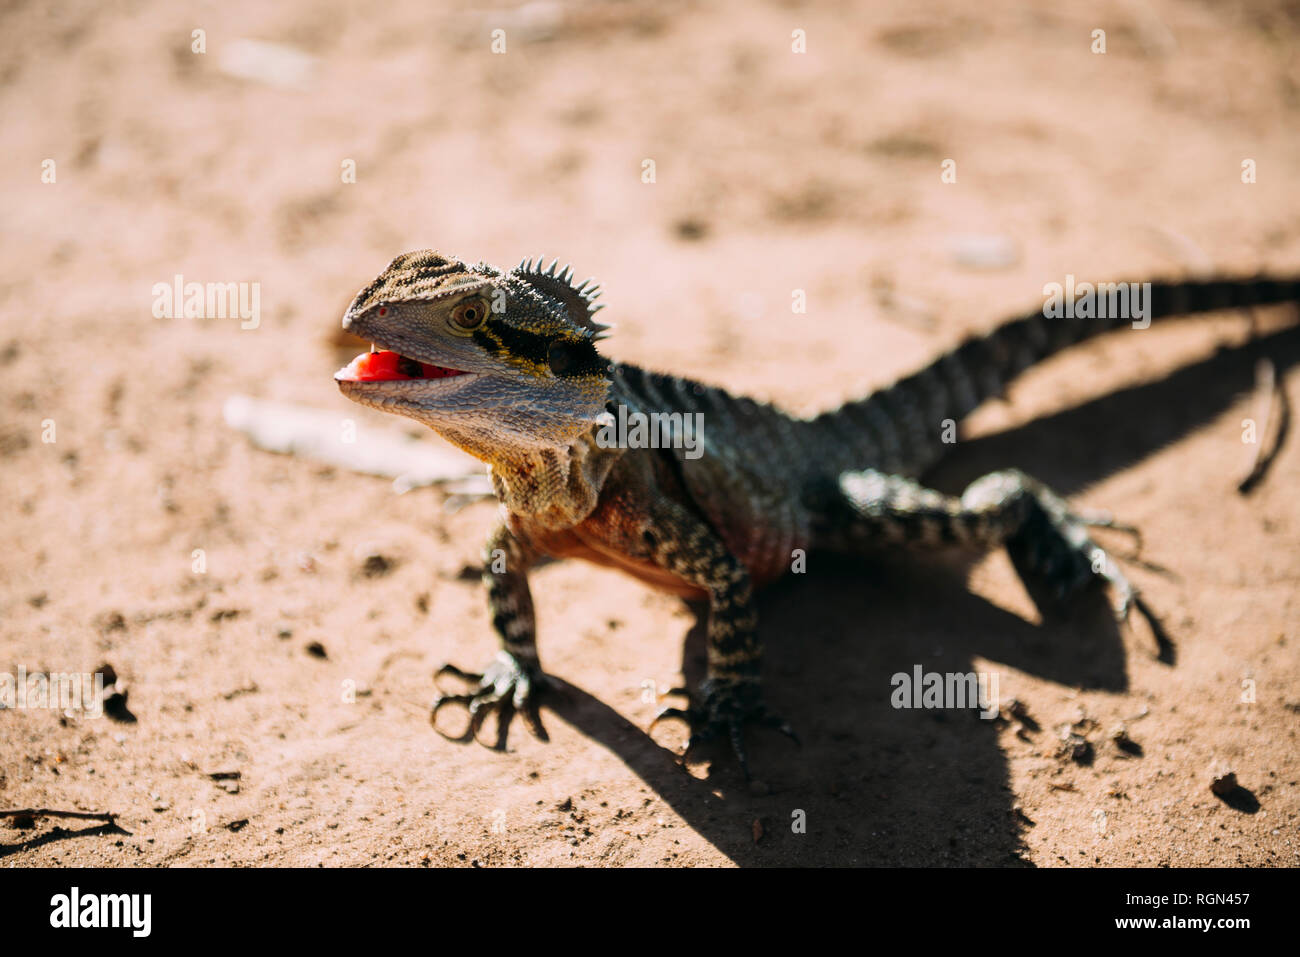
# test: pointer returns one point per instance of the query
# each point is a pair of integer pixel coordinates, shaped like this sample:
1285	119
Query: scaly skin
535	392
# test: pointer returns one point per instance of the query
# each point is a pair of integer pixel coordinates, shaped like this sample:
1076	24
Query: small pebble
1224	782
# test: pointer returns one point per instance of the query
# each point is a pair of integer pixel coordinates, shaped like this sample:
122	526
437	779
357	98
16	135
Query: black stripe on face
569	359
566	358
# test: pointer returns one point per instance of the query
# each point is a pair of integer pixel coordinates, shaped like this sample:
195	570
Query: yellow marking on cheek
535	369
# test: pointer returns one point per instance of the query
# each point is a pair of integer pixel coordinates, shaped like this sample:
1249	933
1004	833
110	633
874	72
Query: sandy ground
775	171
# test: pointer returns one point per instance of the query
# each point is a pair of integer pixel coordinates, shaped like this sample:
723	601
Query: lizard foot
1052	552
1056	559
724	706
507	685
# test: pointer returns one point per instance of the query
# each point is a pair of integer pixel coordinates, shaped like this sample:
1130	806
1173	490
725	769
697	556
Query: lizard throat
553	487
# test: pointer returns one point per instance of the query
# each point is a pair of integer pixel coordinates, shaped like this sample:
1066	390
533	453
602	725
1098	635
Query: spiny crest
557	284
421	274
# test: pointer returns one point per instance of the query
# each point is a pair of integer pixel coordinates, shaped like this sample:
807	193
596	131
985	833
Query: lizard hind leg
1046	539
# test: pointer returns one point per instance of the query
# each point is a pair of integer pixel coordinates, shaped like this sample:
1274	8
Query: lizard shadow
1078	446
875	784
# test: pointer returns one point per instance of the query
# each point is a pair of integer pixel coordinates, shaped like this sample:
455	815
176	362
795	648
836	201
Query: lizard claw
725	706
472	677
1102	519
670	714
506	686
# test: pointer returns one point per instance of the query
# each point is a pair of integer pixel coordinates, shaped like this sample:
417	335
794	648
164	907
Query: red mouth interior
392	366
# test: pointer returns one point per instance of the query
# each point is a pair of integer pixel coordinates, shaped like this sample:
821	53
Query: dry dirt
775	171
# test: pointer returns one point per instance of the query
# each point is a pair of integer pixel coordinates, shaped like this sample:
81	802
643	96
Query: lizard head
502	364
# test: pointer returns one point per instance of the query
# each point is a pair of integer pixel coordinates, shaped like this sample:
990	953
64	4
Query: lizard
504	364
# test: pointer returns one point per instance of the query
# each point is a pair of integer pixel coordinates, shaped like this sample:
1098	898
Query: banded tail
898	429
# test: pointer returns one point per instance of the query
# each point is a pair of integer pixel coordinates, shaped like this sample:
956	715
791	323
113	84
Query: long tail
900	429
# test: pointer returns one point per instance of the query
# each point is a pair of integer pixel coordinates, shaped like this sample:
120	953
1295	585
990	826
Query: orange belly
570	545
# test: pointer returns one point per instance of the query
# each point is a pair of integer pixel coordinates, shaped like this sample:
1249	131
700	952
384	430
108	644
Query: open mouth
384	366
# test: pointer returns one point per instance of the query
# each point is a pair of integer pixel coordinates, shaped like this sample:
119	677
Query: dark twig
1270	392
34	812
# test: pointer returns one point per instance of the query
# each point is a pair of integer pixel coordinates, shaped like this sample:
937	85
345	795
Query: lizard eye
561	358
469	314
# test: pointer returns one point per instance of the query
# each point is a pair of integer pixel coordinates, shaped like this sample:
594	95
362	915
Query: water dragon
504	364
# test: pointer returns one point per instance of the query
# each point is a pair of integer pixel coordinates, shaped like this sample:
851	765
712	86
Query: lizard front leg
731	694
512	680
